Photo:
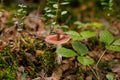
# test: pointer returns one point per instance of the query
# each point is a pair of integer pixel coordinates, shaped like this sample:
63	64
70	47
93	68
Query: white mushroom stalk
59	56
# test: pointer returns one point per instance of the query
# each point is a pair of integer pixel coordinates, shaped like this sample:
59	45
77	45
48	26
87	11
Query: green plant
54	12
81	51
8	66
20	15
110	43
108	6
8	73
93	25
80	48
110	76
82	35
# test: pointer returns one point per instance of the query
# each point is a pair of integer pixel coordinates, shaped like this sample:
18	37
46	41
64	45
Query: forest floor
25	55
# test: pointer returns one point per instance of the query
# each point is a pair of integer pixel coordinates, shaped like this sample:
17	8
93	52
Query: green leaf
79	24
114	48
51	15
96	25
66	52
23	76
80	48
63	12
65	3
74	35
55	5
106	37
117	42
48	10
65	27
87	34
110	76
85	60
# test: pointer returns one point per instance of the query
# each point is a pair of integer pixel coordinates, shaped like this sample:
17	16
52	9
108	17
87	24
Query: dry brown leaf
30	56
38	78
88	77
21	69
116	25
70	77
108	57
116	68
51	78
39	52
58	72
2	45
94	54
18	75
1	48
34	22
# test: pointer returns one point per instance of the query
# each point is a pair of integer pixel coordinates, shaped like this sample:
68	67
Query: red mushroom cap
53	39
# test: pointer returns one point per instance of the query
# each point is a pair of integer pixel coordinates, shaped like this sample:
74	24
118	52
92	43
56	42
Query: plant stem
100	60
94	72
100	57
57	11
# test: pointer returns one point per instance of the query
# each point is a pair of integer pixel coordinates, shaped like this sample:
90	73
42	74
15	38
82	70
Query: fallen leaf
21	69
39	52
88	77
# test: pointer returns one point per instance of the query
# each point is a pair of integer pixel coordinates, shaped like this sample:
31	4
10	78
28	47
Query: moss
48	61
8	66
8	73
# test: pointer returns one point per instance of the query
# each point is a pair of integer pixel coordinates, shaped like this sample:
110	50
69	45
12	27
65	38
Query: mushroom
58	39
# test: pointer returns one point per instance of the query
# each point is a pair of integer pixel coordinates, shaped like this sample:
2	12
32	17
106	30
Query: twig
94	72
101	57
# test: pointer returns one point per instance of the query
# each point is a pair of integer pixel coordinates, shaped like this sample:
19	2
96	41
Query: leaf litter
24	45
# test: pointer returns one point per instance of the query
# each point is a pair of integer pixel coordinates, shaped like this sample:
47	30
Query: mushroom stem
58	36
59	32
59	56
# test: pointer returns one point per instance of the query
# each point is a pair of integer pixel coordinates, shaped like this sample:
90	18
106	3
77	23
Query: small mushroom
58	39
